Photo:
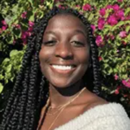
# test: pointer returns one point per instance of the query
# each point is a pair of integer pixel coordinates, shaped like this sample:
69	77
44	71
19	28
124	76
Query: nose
64	50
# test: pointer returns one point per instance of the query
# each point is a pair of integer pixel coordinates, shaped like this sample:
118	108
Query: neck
60	96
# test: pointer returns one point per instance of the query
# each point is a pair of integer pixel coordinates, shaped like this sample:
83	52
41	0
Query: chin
62	84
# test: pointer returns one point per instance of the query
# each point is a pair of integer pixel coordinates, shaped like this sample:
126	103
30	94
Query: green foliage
10	66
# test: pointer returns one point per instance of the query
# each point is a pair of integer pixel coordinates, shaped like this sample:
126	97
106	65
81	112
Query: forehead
65	21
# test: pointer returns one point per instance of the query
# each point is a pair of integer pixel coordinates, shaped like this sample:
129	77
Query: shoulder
93	100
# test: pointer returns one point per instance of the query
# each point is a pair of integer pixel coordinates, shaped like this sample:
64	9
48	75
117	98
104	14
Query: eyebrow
78	31
81	32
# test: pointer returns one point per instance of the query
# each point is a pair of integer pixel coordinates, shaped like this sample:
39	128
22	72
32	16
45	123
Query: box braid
30	93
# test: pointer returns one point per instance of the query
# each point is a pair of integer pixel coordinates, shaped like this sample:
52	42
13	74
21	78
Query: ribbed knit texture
110	116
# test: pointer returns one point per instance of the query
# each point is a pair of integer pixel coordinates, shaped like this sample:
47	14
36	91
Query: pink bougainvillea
4	28
116	7
101	23
122	34
102	11
116	77
119	0
112	20
99	40
100	58
42	1
4	25
108	7
24	36
3	22
119	15
126	83
31	24
93	27
87	7
24	15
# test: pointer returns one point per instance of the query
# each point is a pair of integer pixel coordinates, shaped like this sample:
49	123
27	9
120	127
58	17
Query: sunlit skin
65	44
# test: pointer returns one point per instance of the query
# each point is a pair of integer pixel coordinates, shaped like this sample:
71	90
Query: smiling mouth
63	68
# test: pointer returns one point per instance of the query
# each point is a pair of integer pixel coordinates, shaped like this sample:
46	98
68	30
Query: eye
78	44
49	43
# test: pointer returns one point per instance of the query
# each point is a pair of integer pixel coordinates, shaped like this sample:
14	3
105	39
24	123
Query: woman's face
64	54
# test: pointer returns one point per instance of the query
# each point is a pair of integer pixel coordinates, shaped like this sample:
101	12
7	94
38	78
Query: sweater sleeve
112	117
110	123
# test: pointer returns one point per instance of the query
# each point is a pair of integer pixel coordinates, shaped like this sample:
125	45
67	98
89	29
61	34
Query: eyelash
52	42
78	43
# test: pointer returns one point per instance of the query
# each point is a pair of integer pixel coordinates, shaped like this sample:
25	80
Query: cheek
84	57
45	56
42	59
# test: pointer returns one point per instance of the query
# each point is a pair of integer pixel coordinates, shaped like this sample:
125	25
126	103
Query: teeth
61	67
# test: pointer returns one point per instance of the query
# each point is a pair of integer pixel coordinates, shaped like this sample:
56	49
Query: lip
63	71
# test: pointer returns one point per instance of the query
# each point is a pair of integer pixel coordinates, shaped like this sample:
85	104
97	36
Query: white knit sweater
110	116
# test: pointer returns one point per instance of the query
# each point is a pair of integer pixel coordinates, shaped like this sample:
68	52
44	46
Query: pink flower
86	7
126	83
4	22
122	34
31	24
102	11
108	6
42	1
127	17
99	40
117	51
4	28
24	15
77	6
116	77
119	15
119	0
124	43
116	7
112	20
24	36
101	23
112	37
30	29
14	42
60	6
93	27
117	91
17	26
100	58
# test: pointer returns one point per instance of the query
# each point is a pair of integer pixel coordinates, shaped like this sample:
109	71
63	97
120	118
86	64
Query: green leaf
13	53
5	62
127	11
127	29
1	87
9	68
1	77
10	39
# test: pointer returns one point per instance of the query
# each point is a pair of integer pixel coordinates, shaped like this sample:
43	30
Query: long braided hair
30	91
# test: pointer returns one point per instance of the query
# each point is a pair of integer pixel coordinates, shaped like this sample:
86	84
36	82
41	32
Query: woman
58	86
